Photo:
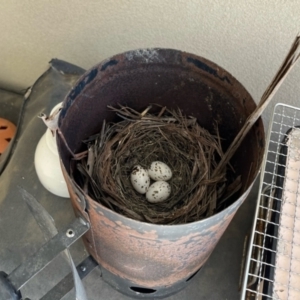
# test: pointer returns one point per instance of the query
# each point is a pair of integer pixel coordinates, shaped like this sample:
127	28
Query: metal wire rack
272	268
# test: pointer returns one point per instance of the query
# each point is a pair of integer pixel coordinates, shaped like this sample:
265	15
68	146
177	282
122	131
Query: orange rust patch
144	258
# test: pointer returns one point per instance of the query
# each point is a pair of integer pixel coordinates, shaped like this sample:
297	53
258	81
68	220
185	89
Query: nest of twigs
190	151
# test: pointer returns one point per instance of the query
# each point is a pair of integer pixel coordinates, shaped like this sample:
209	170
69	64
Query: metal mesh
273	266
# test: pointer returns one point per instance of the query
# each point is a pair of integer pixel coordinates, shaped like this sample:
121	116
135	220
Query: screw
70	233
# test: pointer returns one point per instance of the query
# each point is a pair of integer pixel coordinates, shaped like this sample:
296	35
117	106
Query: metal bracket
37	262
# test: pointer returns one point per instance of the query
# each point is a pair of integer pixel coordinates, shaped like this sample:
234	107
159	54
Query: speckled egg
159	171
140	179
158	191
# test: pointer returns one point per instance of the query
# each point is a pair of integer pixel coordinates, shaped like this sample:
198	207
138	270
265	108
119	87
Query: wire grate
273	266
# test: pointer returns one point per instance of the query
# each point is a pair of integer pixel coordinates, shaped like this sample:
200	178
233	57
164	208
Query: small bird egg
159	171
158	191
140	179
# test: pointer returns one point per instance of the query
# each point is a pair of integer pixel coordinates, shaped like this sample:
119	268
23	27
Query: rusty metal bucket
141	259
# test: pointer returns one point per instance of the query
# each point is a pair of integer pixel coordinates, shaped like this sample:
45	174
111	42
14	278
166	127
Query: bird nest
189	150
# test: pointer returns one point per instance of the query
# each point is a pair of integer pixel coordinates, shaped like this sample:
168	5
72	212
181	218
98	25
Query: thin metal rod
66	284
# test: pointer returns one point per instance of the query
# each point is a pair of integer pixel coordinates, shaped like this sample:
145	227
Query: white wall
247	38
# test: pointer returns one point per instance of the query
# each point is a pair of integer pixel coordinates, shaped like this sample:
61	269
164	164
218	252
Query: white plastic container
47	165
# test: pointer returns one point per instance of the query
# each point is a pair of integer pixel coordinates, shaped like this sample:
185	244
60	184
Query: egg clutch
156	166
160	173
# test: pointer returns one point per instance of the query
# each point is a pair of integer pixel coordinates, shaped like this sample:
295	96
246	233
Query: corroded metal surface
148	255
157	256
154	256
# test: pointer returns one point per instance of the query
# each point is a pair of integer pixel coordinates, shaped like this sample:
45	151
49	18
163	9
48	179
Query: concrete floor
20	235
